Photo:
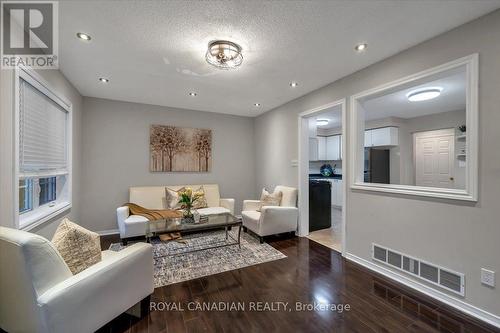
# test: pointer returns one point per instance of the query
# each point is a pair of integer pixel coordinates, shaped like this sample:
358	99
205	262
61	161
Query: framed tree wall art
180	149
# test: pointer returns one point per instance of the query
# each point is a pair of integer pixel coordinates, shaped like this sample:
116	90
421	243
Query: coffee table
207	223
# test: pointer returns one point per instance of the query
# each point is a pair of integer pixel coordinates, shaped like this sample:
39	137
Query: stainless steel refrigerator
377	166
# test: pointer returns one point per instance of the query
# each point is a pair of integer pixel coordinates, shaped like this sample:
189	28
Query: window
25	195
43	151
47	190
418	135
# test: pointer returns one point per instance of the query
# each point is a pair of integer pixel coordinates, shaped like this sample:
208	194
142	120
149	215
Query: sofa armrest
122	213
88	300
227	203
251	205
277	219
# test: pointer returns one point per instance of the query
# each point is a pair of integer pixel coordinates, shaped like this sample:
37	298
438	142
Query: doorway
322	177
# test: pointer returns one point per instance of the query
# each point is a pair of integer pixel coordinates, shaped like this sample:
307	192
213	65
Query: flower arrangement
187	198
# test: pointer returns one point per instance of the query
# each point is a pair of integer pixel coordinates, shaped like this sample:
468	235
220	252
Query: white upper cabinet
385	136
313	149
313	128
333	148
322	148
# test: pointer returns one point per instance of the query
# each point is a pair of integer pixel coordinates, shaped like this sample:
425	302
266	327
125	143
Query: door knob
452	179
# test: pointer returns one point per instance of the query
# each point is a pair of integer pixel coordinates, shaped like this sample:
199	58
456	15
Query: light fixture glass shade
423	94
322	122
224	54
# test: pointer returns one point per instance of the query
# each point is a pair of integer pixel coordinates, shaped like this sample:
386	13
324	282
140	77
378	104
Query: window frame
43	213
470	193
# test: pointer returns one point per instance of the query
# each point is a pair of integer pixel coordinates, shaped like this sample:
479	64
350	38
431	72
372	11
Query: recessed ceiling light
424	94
103	80
322	122
256	104
192	94
83	36
361	47
293	84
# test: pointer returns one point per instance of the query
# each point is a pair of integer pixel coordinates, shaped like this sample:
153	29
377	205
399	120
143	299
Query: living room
165	186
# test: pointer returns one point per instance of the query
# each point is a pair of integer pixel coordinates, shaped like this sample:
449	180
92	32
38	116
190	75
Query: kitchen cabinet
313	149
322	148
385	136
337	194
333	148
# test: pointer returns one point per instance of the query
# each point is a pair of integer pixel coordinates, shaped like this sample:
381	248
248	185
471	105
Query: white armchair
40	294
272	219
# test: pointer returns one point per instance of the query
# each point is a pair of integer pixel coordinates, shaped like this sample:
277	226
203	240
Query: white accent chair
272	220
154	197
40	294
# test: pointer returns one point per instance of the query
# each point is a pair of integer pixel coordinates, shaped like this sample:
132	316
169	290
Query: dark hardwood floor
310	273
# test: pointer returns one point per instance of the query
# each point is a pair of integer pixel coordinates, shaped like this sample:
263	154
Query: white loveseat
272	220
154	197
40	294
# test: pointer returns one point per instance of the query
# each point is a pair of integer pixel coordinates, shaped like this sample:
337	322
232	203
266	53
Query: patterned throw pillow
172	197
201	202
79	247
270	199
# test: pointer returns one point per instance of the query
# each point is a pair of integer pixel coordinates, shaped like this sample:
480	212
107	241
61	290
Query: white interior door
434	158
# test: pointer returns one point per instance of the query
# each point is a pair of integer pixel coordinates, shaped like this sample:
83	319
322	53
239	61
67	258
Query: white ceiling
396	103
153	51
333	115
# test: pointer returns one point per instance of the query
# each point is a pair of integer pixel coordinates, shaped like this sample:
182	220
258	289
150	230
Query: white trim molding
470	193
438	295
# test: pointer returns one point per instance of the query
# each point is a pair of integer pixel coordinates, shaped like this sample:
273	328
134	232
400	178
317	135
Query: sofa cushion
79	247
270	199
251	219
153	197
289	198
172	198
213	210
201	202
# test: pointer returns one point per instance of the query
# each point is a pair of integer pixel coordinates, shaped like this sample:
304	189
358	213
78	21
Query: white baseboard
108	232
460	305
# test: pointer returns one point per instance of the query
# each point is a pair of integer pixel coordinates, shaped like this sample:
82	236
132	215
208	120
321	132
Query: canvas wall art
180	149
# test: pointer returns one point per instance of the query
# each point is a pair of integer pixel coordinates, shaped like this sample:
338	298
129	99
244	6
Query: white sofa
40	294
154	197
272	220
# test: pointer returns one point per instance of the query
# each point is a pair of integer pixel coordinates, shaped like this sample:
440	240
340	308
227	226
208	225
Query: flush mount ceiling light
224	54
322	122
83	36
193	94
103	80
361	47
424	94
293	84
256	105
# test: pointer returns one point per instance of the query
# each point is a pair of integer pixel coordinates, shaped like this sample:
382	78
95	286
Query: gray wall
116	155
460	236
59	83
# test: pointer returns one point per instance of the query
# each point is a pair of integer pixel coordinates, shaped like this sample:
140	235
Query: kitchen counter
317	176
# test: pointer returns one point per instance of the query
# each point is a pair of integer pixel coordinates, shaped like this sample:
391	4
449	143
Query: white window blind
43	148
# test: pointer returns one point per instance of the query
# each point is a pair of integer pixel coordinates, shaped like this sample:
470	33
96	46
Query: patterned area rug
179	265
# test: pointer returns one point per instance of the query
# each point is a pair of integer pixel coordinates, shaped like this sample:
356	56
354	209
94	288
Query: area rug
181	265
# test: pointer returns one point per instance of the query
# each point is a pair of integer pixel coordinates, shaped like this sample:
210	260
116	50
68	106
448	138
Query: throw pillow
172	197
269	199
79	247
201	202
